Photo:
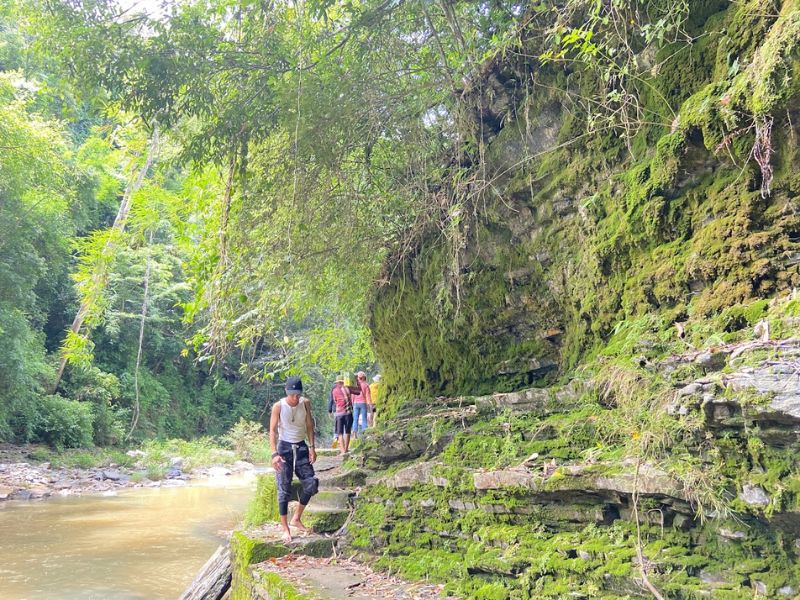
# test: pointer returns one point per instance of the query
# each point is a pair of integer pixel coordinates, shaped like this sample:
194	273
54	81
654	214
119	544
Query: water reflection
141	544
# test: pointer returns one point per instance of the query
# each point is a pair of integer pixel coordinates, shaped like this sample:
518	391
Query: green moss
325	522
246	551
606	260
433	565
280	589
263	508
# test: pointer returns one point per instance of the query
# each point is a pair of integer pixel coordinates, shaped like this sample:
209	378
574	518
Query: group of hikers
291	436
352	407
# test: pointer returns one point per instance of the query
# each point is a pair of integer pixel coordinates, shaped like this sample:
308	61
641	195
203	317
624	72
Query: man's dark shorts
343	424
296	461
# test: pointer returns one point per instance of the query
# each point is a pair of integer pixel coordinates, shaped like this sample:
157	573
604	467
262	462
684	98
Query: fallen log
213	580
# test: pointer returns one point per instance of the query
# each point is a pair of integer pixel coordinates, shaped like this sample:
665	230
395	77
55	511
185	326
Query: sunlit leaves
314	132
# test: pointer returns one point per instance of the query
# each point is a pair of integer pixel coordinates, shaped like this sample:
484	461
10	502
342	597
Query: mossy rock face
344	479
648	266
254	546
517	503
247	550
594	234
276	587
326	521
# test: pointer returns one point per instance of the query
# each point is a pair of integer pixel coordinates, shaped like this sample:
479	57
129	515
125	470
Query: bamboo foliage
93	280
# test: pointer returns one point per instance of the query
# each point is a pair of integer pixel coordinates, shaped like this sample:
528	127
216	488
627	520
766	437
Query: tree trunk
213	580
119	224
135	419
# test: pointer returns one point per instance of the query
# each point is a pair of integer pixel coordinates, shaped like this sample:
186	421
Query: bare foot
287	536
300	526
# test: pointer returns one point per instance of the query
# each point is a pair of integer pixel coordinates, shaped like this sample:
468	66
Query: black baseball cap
294	385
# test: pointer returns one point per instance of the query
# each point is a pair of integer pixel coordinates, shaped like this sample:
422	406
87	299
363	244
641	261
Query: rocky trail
420	489
341	579
317	565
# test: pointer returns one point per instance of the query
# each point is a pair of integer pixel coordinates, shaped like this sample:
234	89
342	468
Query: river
142	544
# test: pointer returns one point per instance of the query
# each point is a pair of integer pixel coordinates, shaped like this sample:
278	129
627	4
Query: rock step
266	541
328	510
311	579
327	452
253	548
343	479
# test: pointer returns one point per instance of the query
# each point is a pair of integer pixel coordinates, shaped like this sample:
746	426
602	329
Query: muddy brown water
142	544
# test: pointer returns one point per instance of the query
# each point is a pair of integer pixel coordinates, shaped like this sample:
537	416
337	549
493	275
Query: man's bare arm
274	419
310	431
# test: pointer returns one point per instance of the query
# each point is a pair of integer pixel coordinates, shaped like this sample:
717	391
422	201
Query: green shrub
247	439
82	460
156	472
120	458
102	390
23	367
63	423
40	455
110	424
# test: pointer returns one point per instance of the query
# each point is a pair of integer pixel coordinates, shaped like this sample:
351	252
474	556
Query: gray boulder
754	495
112	475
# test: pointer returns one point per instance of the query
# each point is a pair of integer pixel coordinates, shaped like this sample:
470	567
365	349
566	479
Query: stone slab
313	579
407	477
650	480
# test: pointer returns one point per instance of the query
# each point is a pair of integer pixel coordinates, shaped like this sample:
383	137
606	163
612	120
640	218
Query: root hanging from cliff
639	554
762	153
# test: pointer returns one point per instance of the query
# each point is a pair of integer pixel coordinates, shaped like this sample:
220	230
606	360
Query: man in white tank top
290	425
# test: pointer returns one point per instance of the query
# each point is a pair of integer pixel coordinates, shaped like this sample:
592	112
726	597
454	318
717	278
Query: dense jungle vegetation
198	197
566	231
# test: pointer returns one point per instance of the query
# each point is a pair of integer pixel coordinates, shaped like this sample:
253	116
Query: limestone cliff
583	229
592	384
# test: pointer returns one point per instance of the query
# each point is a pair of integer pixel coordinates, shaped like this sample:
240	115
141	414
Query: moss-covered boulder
256	545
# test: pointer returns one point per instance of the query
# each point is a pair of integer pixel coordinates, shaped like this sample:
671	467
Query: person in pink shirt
361	404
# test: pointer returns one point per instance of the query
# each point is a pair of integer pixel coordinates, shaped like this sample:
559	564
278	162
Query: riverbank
33	472
133	545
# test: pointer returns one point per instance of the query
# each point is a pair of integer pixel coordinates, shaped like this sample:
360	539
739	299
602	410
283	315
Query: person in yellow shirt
374	389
